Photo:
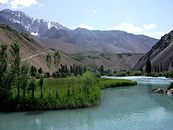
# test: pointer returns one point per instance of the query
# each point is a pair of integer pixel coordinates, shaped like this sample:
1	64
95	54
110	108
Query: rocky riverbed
164	91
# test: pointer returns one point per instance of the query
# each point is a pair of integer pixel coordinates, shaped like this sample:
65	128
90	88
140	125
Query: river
123	108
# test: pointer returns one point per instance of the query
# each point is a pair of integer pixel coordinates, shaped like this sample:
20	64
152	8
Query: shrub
170	86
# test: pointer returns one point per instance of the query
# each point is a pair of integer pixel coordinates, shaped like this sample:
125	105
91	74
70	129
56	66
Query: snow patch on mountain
34	33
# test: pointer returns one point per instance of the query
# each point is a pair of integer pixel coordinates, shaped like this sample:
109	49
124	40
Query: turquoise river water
123	108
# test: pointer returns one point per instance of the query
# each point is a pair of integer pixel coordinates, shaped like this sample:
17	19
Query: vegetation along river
124	108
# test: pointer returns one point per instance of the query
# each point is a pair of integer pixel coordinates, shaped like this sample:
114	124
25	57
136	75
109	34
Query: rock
170	92
158	90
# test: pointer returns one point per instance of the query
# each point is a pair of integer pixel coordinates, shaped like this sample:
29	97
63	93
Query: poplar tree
15	64
49	61
6	77
57	59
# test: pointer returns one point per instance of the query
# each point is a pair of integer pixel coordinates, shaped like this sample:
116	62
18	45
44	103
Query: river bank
71	95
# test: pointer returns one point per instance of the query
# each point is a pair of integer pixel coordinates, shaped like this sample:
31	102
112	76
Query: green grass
111	83
78	97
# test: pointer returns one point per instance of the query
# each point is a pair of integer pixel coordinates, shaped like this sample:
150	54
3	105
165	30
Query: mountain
161	54
30	50
35	53
54	35
35	26
111	61
80	40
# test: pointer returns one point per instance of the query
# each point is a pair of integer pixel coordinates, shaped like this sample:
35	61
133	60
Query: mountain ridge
55	35
161	54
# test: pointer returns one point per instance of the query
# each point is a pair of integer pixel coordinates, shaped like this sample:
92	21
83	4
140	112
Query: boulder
170	92
159	90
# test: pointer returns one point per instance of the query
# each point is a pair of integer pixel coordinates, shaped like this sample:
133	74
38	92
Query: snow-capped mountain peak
36	27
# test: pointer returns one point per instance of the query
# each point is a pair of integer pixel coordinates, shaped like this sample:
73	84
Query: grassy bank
111	83
139	73
72	93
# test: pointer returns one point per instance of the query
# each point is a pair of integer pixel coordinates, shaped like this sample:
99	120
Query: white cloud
84	26
14	4
157	35
3	1
128	27
22	3
94	11
150	26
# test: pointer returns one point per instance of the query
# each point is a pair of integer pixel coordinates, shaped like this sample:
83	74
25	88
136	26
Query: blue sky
148	17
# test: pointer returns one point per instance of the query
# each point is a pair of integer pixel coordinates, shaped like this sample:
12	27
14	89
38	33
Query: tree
6	77
24	76
15	63
3	61
85	69
33	71
40	71
89	79
57	59
148	66
32	86
101	70
40	83
49	61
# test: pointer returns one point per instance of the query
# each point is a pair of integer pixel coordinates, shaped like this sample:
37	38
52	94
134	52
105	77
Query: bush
170	86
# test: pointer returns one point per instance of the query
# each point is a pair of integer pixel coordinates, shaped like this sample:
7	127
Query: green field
72	93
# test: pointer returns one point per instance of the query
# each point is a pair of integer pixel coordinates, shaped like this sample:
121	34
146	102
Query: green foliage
89	78
6	77
40	83
170	86
33	71
120	56
77	57
77	69
47	75
49	60
15	64
106	56
110	83
26	36
101	70
24	76
40	71
57	58
32	86
126	73
93	57
6	27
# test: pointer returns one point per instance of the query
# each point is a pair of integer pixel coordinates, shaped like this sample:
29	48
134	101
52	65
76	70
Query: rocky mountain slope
30	50
35	53
54	35
161	54
80	40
